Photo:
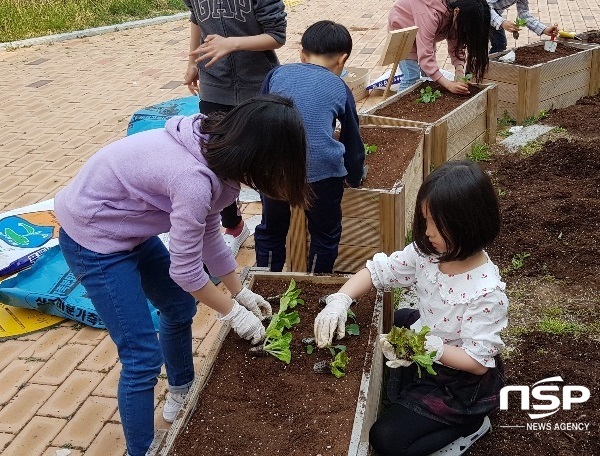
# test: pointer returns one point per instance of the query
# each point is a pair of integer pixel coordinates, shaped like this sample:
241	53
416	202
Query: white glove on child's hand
434	344
333	316
388	351
255	303
245	323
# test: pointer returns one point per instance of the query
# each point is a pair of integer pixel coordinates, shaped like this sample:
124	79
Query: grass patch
516	263
480	152
505	121
535	119
532	147
22	19
560	326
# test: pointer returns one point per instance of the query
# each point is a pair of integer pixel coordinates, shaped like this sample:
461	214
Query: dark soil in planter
541	355
581	119
407	107
533	55
551	210
261	406
395	149
592	36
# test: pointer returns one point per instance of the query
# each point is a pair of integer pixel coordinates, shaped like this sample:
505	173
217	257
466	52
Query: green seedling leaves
370	148
428	95
340	360
520	22
466	78
310	349
277	342
352	329
410	345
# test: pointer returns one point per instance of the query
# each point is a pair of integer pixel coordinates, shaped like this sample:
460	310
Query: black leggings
401	431
229	216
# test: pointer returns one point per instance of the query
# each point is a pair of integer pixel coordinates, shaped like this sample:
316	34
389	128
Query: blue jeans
497	40
324	225
118	285
411	73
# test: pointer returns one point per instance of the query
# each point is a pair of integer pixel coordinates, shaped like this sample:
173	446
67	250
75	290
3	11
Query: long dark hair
464	206
260	143
472	33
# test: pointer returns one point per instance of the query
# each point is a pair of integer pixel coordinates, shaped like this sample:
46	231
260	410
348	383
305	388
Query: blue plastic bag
51	288
156	116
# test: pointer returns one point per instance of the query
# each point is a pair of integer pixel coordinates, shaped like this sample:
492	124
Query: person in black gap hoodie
232	49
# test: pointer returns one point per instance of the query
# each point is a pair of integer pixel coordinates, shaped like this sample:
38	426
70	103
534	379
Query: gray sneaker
172	406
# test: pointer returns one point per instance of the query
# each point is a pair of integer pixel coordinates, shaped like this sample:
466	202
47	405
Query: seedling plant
519	23
370	148
338	363
352	329
466	78
277	342
410	345
428	95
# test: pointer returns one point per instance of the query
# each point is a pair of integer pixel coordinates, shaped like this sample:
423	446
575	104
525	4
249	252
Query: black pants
497	40
402	431
229	216
324	225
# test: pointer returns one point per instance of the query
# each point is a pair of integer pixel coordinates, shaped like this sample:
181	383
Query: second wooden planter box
451	136
346	426
524	91
373	219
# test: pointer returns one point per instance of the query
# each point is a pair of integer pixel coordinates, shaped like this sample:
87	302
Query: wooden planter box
452	136
373	220
525	91
595	68
367	400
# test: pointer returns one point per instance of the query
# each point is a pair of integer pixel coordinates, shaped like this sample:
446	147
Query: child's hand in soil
332	317
458	87
255	303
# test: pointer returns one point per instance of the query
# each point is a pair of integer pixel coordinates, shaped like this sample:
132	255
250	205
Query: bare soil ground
548	252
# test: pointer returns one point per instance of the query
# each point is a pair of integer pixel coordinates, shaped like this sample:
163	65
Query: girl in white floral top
460	298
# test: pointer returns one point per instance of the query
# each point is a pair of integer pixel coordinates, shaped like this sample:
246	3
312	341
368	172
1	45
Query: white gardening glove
434	344
332	317
245	323
388	351
255	303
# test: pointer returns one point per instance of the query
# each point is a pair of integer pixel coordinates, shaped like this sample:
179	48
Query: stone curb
92	31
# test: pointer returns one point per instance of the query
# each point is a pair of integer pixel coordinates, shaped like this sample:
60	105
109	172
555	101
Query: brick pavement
58	104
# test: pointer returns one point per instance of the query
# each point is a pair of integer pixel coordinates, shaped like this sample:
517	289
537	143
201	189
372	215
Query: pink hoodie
432	17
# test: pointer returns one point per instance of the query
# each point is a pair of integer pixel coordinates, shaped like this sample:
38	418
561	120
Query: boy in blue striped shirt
322	99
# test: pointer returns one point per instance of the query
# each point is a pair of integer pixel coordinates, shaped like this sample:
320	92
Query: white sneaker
461	444
235	242
172	406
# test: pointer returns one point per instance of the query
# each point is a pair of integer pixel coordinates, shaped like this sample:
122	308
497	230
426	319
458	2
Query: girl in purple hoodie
174	179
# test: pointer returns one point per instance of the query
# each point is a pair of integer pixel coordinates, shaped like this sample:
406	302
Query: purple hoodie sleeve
195	235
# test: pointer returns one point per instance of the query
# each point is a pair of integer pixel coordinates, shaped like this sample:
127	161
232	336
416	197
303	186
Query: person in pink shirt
464	24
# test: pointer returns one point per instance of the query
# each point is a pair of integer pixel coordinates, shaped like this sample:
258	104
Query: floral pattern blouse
465	310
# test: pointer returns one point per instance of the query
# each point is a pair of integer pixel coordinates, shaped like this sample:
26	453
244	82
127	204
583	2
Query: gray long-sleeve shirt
239	75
